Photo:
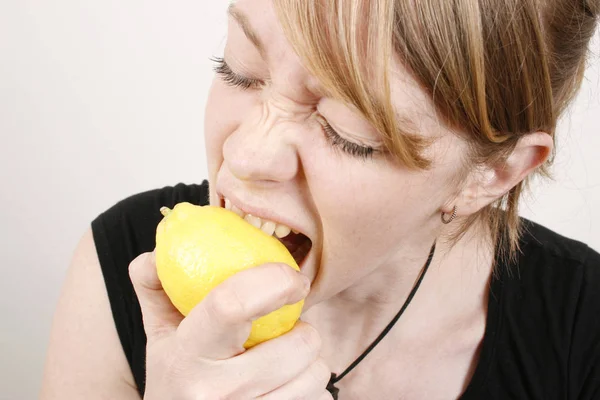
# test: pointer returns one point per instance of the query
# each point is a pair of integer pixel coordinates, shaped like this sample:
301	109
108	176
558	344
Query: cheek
372	206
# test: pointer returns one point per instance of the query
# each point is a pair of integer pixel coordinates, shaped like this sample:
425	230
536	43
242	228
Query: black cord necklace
334	378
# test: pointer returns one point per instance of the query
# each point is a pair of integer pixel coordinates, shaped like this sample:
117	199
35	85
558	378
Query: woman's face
270	153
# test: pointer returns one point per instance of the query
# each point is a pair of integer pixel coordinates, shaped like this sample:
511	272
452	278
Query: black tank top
542	338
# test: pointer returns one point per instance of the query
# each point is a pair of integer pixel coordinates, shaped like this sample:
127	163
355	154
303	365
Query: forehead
258	22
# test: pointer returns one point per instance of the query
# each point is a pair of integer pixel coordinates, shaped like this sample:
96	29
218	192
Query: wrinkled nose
262	148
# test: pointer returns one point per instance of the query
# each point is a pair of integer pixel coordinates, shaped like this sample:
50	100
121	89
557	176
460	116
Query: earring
452	216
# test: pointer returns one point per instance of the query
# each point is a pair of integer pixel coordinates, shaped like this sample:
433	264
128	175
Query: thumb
159	315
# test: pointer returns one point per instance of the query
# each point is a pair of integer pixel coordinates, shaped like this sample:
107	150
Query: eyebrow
244	23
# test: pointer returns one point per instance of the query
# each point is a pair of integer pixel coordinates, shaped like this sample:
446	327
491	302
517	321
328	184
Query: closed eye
231	78
335	140
347	146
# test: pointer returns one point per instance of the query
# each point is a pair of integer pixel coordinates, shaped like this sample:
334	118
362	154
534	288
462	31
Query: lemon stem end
165	211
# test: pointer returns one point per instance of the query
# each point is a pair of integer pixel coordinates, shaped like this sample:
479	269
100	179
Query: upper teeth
268	227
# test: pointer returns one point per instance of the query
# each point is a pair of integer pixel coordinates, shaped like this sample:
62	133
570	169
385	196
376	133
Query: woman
396	138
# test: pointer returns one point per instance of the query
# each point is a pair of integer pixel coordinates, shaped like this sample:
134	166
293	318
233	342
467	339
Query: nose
262	148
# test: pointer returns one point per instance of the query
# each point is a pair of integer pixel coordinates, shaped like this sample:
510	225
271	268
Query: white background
101	100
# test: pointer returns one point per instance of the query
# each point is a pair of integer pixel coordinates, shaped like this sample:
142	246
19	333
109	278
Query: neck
453	290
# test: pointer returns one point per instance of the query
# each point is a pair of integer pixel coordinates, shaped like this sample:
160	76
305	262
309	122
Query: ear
489	183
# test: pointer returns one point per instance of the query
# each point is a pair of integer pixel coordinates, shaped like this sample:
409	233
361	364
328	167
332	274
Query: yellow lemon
198	247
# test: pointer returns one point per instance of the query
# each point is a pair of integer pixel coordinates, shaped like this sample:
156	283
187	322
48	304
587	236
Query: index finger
220	324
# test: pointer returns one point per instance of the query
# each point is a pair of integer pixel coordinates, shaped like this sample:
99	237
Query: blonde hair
494	69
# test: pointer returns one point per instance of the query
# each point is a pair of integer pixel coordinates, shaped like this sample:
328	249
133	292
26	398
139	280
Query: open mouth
297	243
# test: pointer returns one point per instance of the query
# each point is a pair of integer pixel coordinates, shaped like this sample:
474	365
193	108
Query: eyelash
356	150
231	78
335	140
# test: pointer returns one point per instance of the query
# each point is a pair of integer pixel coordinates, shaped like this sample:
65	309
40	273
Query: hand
202	356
